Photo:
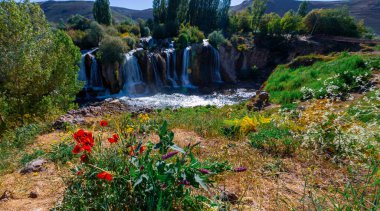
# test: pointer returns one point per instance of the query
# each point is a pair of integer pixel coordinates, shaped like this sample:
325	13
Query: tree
223	10
336	22
159	11
302	9
291	23
102	12
39	66
257	11
78	22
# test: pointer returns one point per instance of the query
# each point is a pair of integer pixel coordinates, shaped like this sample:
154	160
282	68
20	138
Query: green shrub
336	22
189	33
78	22
273	139
61	153
216	38
111	50
38	65
137	176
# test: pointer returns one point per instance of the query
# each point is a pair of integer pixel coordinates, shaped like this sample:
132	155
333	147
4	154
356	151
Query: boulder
260	101
36	165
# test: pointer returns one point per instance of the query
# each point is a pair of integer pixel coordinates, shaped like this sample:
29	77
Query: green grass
207	121
13	143
285	84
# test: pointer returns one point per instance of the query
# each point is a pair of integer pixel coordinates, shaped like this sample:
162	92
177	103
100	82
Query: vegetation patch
333	79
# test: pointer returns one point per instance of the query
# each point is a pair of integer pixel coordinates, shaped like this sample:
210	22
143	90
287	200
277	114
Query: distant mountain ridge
368	10
57	10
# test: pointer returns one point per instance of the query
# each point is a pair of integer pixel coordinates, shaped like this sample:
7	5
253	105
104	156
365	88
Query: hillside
368	10
55	10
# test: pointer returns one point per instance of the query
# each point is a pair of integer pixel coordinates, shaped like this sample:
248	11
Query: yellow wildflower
143	118
130	130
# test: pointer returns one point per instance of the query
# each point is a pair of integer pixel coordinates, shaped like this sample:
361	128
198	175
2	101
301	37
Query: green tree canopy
102	12
39	66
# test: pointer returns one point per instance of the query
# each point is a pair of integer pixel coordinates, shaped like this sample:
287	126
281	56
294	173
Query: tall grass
285	84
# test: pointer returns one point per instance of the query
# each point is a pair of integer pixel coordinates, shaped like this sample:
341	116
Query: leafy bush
112	50
78	22
158	176
189	34
39	67
273	139
61	153
337	22
216	38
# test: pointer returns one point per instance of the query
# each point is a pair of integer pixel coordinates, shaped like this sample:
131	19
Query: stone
260	101
33	194
6	196
229	197
36	165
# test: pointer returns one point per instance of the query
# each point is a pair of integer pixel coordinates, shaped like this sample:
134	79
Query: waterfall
185	66
215	72
157	78
95	78
215	67
131	73
82	72
170	72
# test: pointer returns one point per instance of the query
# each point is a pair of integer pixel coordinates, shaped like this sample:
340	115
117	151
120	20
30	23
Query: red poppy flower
116	137
84	158
142	149
104	176
77	149
112	140
103	123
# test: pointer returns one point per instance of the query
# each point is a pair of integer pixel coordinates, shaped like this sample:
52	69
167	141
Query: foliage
12	142
102	12
337	22
207	15
273	139
333	79
357	194
302	9
26	158
257	11
78	22
270	25
240	22
111	50
189	35
241	127
216	38
61	153
291	23
39	65
158	176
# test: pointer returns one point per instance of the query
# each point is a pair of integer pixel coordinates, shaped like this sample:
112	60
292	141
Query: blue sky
144	4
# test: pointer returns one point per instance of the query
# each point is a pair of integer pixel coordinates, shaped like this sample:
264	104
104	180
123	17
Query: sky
144	4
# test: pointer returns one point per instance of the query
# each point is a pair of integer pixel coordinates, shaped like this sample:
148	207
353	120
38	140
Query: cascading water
82	72
170	72
95	77
157	78
185	67
215	67
215	72
132	75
